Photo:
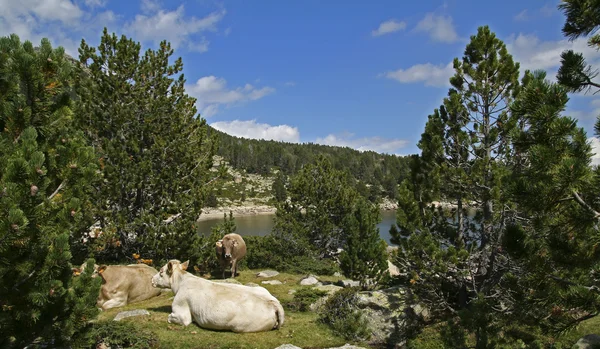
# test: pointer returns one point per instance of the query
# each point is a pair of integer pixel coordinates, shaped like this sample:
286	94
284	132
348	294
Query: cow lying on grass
218	306
230	250
123	284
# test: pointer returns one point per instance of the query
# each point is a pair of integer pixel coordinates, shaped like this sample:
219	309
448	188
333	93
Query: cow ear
169	268
76	271
185	265
219	243
101	269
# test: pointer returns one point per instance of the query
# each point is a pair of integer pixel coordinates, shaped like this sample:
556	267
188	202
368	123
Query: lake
262	225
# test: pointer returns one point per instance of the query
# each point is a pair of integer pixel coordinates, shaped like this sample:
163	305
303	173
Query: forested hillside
384	171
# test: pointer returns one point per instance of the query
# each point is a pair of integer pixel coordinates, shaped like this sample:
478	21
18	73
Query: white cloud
388	27
290	83
439	28
173	26
150	6
534	53
95	3
429	74
254	130
377	144
521	16
212	91
595	142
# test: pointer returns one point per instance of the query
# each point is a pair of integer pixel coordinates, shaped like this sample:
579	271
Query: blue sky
363	74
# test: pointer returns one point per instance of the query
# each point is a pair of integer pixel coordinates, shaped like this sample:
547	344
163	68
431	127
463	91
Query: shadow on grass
163	309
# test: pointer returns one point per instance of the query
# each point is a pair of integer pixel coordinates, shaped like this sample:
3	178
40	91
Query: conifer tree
155	151
46	172
364	257
327	196
555	236
456	266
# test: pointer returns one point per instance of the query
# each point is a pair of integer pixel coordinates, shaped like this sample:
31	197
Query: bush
341	313
303	298
118	335
268	252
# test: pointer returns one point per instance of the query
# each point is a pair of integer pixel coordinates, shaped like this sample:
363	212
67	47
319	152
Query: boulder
252	284
309	280
267	273
348	346
348	283
392	269
130	313
292	291
288	346
591	341
272	282
337	274
330	289
228	281
384	311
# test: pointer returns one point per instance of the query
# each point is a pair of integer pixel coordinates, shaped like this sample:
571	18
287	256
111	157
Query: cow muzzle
227	255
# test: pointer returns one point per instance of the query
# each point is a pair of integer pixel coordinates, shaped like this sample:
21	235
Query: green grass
300	329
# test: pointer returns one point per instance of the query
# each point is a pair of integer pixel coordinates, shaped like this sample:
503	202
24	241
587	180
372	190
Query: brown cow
230	250
125	284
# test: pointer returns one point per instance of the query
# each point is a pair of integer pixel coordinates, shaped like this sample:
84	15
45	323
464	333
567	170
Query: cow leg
233	268
181	315
115	302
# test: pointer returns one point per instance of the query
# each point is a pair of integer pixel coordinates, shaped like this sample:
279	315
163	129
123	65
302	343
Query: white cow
218	306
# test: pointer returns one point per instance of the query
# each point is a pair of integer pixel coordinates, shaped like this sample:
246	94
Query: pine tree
46	172
279	190
555	236
364	257
327	196
155	152
454	265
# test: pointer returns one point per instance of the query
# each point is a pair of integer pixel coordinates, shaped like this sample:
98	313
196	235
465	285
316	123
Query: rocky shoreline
250	209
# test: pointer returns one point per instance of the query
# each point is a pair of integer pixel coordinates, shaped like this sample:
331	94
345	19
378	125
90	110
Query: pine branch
58	189
585	205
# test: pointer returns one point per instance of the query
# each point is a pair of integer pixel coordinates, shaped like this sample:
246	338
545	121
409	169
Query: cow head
164	277
229	244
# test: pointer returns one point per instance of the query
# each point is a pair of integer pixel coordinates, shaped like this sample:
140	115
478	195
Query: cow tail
280	315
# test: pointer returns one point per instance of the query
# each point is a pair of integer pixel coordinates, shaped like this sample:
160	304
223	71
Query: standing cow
230	250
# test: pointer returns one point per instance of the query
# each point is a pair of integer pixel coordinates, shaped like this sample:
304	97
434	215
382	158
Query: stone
271	282
337	274
348	283
590	341
288	346
392	269
309	280
267	273
348	346
390	249
292	291
252	284
130	313
384	311
330	289
228	281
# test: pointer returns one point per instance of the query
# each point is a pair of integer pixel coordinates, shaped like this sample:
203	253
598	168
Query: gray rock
267	273
271	282
392	269
252	284
309	280
228	281
130	313
337	274
348	346
348	283
288	346
590	341
292	291
384	310
330	289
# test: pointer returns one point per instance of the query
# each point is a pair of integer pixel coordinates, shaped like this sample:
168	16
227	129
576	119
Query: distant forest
260	156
